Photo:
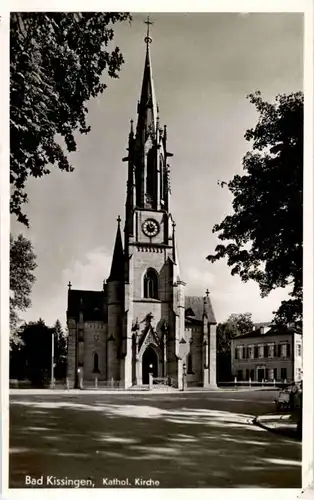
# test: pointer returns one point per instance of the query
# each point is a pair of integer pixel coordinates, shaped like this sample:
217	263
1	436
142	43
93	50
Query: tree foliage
22	267
31	358
264	233
60	355
243	322
56	62
236	324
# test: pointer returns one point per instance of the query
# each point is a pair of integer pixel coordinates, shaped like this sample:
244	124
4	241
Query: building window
260	351
283	350
247	374
275	373
239	375
151	284
283	373
271	351
244	352
250	352
266	350
299	350
255	351
288	350
236	354
96	363
252	374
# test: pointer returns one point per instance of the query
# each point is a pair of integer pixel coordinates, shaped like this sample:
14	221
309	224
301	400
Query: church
141	326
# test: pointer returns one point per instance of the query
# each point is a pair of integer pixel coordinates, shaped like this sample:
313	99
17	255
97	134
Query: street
180	440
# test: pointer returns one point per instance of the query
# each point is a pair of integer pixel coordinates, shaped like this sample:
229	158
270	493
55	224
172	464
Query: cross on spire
148	39
69	285
118	219
207	293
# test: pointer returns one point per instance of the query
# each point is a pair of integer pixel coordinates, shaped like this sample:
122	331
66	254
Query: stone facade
141	322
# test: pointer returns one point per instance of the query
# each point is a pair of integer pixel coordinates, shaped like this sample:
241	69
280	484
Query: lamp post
150	375
183	350
52	359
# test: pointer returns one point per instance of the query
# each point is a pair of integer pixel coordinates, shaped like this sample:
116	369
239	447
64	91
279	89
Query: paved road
180	440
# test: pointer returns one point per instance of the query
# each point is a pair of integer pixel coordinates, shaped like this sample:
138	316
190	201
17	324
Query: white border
305	6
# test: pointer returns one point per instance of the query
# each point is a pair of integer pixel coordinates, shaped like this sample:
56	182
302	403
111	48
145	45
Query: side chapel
141	322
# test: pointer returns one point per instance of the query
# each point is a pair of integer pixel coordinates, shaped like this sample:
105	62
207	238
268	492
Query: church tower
140	325
154	293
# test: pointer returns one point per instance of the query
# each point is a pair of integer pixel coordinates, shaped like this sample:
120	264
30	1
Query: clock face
150	227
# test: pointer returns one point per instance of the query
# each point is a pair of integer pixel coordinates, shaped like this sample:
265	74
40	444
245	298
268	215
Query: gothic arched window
96	363
151	284
151	180
162	179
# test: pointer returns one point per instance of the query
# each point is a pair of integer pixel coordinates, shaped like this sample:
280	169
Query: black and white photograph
157	331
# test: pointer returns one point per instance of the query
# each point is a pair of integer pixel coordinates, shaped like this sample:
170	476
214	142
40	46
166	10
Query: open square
203	439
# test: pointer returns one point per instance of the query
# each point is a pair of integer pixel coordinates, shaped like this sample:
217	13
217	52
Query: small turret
117	266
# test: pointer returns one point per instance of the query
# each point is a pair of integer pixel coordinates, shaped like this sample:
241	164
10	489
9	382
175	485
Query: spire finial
119	220
207	293
69	285
148	39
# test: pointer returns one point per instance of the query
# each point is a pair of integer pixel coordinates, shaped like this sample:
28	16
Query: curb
283	431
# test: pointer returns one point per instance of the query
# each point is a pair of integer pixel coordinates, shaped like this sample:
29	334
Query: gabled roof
92	304
274	330
196	306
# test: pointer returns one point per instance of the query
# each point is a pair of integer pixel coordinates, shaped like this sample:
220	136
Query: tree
22	266
225	333
56	62
242	322
236	324
33	353
265	229
32	357
60	351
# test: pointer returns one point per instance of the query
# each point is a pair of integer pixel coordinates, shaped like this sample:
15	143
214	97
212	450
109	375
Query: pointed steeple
147	106
117	266
208	308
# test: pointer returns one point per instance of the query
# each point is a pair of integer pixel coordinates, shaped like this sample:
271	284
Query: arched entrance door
149	364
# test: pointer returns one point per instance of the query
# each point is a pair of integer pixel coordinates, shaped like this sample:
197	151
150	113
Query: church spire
147	106
117	266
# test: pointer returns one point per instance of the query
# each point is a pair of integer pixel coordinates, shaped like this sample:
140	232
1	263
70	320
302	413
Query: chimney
262	330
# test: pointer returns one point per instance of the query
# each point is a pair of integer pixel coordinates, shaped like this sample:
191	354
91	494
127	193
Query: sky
204	66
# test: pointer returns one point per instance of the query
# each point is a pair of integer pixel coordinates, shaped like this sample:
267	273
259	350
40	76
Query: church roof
196	306
117	266
92	304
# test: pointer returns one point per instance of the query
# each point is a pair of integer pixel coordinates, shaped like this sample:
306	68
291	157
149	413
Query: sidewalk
277	422
145	392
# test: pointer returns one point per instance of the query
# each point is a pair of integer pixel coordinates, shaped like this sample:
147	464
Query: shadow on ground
172	442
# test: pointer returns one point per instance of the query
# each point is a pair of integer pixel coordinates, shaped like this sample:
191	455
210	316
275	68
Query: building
141	322
273	353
